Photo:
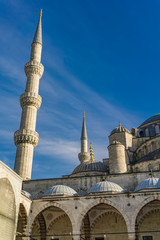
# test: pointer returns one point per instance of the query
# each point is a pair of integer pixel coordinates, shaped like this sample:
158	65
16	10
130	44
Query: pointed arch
7	209
104	201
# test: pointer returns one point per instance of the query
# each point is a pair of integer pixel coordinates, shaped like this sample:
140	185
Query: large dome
148	183
90	166
105	186
58	190
151	119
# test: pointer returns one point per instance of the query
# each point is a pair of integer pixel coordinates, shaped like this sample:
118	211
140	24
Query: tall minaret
84	155
26	138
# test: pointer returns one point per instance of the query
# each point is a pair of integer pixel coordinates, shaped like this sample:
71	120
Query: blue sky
99	56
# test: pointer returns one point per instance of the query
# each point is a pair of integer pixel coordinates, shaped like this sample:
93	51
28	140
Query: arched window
141	133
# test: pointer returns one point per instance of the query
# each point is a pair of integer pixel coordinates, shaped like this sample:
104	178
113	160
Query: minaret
84	155
26	138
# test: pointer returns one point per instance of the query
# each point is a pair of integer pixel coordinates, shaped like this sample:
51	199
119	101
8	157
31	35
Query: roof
119	129
90	166
60	190
148	183
151	119
27	194
105	186
38	34
84	129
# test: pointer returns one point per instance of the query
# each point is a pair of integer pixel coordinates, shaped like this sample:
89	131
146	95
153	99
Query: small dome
105	187
119	129
148	183
151	119
90	166
60	190
27	194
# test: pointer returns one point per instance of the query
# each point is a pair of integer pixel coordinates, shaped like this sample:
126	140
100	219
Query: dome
27	194
119	129
60	190
148	183
90	166
105	187
151	119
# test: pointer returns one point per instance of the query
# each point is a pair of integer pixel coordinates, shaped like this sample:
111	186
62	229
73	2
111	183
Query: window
141	134
147	238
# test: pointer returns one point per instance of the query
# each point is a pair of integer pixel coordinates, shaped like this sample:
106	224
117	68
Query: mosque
114	199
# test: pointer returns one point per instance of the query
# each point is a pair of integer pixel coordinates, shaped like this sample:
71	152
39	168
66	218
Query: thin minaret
26	138
84	155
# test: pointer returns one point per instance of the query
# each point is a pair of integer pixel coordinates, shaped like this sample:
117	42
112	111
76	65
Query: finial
41	13
91	152
151	174
83	114
120	124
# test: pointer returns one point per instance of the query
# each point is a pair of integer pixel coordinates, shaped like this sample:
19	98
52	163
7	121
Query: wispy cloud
62	148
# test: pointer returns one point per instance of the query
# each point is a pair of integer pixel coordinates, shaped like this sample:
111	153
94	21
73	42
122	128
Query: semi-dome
91	166
119	129
105	186
148	183
58	190
151	120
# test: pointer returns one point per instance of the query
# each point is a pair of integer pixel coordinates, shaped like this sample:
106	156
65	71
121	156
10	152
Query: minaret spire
84	130
38	34
84	155
26	138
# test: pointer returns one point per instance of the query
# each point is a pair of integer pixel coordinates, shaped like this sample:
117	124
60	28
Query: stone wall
10	192
127	181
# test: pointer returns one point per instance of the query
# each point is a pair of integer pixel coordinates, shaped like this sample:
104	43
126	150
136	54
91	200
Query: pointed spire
84	130
91	152
38	34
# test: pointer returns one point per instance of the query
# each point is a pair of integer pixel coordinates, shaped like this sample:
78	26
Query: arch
142	204
54	221
97	202
103	218
13	185
51	220
53	204
148	219
102	215
7	209
22	220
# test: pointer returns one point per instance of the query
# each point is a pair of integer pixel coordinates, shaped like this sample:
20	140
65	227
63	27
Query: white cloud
61	148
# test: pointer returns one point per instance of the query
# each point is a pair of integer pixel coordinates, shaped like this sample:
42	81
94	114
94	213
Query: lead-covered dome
148	183
105	186
58	190
152	119
27	194
91	166
119	129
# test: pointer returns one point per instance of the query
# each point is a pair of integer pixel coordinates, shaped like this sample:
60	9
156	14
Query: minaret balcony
30	99
26	136
34	67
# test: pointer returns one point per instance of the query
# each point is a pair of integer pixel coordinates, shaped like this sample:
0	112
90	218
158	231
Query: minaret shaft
84	145
26	138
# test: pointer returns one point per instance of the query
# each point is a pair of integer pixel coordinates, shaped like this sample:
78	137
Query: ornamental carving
34	67
26	136
31	99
